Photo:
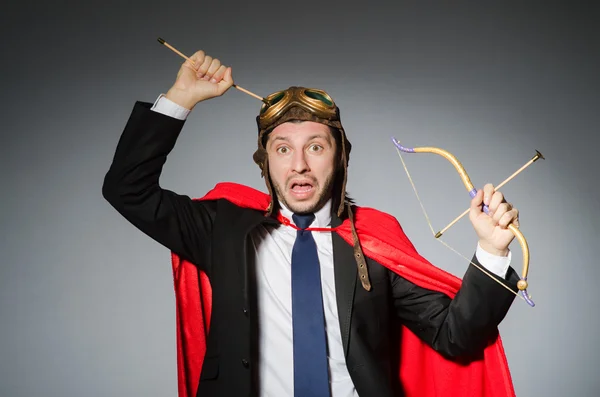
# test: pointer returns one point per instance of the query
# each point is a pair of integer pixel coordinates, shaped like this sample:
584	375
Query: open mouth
301	189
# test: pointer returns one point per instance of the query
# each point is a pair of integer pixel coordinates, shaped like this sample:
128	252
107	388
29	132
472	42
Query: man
296	312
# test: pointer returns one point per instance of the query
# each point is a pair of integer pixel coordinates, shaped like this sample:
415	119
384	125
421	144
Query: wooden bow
522	283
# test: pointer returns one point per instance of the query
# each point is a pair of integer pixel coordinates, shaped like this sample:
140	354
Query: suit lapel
242	222
344	266
345	271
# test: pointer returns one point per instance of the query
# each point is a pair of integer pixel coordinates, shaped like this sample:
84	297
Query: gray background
86	301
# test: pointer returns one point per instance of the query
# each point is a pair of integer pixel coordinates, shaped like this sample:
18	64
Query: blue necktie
311	372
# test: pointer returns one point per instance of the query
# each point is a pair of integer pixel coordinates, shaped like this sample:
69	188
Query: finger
509	217
228	77
488	191
495	201
218	76
500	211
212	69
204	66
197	59
226	82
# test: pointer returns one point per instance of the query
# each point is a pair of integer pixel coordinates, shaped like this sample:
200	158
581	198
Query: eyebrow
322	136
327	137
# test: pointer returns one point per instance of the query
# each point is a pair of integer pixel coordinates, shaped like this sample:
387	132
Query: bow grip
473	193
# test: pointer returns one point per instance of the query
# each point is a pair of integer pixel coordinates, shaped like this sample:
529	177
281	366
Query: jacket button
246	311
245	363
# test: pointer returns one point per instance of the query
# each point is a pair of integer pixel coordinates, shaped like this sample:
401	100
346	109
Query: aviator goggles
315	101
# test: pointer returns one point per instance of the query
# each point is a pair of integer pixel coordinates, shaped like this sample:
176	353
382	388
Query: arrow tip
539	155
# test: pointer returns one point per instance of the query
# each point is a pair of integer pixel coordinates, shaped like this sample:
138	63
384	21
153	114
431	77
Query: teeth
303	188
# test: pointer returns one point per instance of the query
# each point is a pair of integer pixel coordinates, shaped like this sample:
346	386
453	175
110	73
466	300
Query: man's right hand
206	80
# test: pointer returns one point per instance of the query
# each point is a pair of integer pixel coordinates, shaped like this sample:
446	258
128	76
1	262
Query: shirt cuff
169	108
495	264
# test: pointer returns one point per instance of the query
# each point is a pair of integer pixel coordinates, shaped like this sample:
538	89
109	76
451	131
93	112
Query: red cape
423	372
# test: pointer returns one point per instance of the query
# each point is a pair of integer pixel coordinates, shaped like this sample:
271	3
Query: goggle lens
319	97
272	102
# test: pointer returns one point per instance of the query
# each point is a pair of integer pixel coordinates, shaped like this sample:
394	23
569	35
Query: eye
315	148
283	150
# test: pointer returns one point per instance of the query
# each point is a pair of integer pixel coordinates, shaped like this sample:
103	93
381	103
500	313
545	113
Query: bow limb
522	284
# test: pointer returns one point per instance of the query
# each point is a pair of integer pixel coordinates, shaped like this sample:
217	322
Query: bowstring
443	242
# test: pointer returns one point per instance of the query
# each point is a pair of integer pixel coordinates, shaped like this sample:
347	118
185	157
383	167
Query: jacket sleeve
459	327
132	187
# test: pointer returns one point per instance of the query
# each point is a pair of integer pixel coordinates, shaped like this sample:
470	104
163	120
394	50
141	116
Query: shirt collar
322	216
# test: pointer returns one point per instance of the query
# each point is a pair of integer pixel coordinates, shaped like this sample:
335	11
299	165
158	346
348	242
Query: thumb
188	70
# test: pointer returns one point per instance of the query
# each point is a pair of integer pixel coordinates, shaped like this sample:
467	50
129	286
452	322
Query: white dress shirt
273	253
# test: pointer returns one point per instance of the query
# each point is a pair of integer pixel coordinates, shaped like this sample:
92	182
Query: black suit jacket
214	236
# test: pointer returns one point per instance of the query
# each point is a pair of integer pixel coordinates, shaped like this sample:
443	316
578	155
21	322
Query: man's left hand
494	237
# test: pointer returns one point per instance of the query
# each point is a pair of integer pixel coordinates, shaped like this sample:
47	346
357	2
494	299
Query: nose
299	163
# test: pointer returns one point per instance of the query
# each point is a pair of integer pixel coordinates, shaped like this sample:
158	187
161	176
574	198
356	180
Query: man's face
301	164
